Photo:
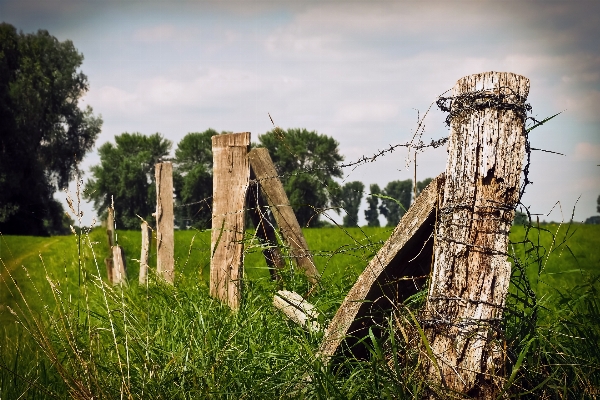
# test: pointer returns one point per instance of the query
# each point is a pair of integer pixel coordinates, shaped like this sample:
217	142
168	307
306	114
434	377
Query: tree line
307	163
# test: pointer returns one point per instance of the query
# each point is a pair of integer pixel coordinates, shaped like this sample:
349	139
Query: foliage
372	213
193	179
598	204
520	218
44	134
307	162
125	176
396	200
351	196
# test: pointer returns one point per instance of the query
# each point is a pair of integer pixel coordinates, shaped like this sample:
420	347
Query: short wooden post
265	172
146	242
471	273
119	269
231	177
110	236
165	243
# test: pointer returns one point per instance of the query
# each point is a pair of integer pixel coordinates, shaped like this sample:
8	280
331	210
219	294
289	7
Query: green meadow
66	333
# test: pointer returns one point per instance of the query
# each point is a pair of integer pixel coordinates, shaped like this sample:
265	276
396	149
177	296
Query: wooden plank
165	243
146	242
265	231
471	273
398	270
297	309
231	178
263	167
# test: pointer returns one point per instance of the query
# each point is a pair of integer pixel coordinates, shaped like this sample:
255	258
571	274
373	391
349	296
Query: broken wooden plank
231	178
165	241
286	220
297	309
398	270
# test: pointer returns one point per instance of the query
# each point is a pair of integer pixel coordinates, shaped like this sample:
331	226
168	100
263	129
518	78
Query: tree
44	134
598	204
125	175
371	213
396	200
351	195
307	162
193	179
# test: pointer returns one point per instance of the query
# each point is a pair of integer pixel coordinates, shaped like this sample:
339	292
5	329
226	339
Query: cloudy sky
361	72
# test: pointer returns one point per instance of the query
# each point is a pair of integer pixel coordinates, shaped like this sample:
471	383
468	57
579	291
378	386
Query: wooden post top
496	82
231	140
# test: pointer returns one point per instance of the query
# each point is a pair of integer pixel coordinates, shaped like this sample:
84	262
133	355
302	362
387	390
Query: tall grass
91	340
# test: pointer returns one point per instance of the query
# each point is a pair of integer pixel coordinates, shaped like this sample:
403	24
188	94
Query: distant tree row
306	161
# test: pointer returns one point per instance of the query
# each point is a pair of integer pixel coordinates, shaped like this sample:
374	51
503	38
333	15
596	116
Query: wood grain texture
397	271
231	178
471	273
119	268
145	254
165	242
286	220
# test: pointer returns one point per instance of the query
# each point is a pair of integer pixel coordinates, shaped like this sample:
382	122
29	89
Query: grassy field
176	342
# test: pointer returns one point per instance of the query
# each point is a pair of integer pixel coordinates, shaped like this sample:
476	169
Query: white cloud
367	111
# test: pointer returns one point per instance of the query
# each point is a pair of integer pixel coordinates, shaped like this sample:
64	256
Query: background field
178	342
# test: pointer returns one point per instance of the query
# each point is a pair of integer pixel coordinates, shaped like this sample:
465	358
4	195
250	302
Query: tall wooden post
231	178
146	241
471	273
165	244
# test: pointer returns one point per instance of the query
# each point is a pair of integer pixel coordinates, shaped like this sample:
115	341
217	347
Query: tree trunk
165	243
231	177
471	273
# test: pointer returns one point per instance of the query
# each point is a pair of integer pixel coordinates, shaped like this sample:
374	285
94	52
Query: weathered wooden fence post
119	267
471	273
165	244
110	235
231	178
146	242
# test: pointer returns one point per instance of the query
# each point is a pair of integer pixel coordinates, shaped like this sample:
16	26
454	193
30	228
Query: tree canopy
351	196
307	162
125	175
396	200
193	179
372	213
44	134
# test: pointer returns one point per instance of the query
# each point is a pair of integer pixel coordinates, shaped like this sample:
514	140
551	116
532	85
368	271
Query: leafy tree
307	162
125	175
193	179
371	213
44	134
598	204
351	195
395	200
520	218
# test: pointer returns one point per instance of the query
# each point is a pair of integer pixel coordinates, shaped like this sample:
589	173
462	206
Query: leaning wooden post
231	177
146	241
265	172
471	273
165	244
